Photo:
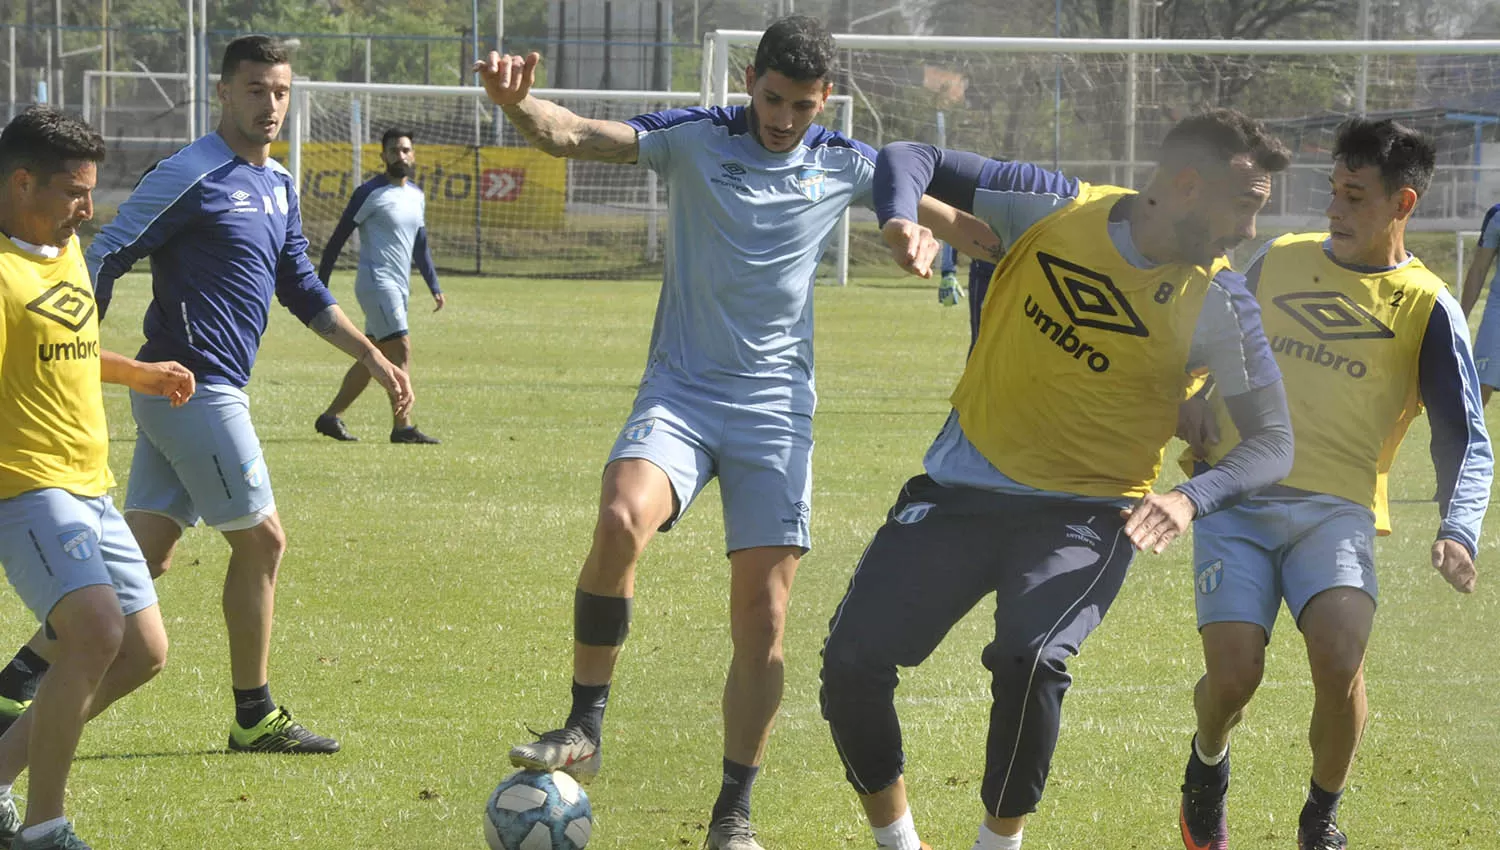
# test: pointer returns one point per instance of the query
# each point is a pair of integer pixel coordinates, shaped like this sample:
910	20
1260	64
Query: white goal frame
297	129
715	76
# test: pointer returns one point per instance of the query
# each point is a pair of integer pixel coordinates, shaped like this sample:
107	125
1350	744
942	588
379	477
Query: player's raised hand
1197	426
1157	520
1452	560
168	379
508	79
389	375
912	246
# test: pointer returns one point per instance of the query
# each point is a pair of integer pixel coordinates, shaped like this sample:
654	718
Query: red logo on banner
503	184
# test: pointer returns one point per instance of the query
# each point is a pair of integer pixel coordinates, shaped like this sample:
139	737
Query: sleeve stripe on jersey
1488	217
666	119
1244	358
141	231
1476	449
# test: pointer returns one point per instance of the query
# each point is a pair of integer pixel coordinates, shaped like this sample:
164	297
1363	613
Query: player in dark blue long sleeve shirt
220	223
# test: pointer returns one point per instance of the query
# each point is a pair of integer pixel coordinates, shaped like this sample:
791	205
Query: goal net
495	205
1097	108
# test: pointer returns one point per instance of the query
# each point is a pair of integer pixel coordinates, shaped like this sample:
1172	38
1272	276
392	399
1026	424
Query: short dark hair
798	47
1405	157
42	139
261	49
393	134
1216	136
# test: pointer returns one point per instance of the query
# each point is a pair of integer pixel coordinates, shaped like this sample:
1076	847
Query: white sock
5	790
1211	761
994	841
901	835
42	828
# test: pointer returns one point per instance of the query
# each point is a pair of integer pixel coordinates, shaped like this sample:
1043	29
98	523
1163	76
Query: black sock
252	705
734	794
1198	773
589	702
1321	806
20	677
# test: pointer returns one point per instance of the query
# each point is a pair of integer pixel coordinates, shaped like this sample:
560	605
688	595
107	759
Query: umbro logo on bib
1332	316
1090	298
69	305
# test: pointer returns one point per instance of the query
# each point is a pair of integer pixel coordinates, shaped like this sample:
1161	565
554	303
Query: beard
398	169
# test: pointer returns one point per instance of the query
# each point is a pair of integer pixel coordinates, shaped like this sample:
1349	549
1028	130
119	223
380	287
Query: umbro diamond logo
1082	533
1090	299
240	196
1332	316
68	305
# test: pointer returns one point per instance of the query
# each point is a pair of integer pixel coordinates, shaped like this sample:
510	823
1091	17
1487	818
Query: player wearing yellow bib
65	549
1365	337
1105	310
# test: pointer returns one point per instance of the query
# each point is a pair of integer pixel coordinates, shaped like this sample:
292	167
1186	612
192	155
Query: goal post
495	205
1096	108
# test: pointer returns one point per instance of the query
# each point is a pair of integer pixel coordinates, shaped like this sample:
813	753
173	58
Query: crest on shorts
914	513
1210	575
77	543
637	431
281	202
254	472
812	183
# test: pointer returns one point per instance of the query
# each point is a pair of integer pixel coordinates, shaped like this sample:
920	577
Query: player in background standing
1107	309
220	221
390	212
728	389
1365	337
1487	342
950	292
65	549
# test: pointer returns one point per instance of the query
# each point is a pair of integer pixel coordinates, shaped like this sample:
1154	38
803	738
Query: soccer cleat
332	426
61	838
276	733
10	820
569	750
412	435
1204	821
731	833
1323	835
11	711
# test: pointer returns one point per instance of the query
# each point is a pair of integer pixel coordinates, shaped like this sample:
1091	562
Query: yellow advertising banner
514	187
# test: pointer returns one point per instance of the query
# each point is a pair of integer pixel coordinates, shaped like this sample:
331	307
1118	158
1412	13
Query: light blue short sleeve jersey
388	223
748	226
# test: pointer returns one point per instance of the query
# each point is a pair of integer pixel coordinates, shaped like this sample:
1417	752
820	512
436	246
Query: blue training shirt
223	236
735	318
391	218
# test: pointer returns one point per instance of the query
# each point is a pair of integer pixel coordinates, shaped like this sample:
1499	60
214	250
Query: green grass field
426	600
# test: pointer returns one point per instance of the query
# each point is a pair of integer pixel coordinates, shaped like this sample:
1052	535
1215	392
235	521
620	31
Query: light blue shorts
201	460
53	543
385	311
1487	343
1250	557
763	459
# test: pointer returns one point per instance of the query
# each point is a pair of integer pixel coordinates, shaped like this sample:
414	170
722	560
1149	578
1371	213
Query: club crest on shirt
77	543
812	183
1210	575
281	200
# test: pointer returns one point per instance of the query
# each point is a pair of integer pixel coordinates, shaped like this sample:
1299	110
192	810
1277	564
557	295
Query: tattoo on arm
558	131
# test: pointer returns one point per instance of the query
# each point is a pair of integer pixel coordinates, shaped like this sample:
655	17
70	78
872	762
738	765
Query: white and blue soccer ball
537	810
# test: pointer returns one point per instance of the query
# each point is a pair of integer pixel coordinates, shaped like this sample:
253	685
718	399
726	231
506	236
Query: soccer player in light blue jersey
1487	343
220	221
728	389
390	212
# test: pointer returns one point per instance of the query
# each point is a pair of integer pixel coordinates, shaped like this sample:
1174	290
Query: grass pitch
425	607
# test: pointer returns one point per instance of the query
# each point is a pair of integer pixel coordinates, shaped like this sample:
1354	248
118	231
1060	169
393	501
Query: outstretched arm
551	128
